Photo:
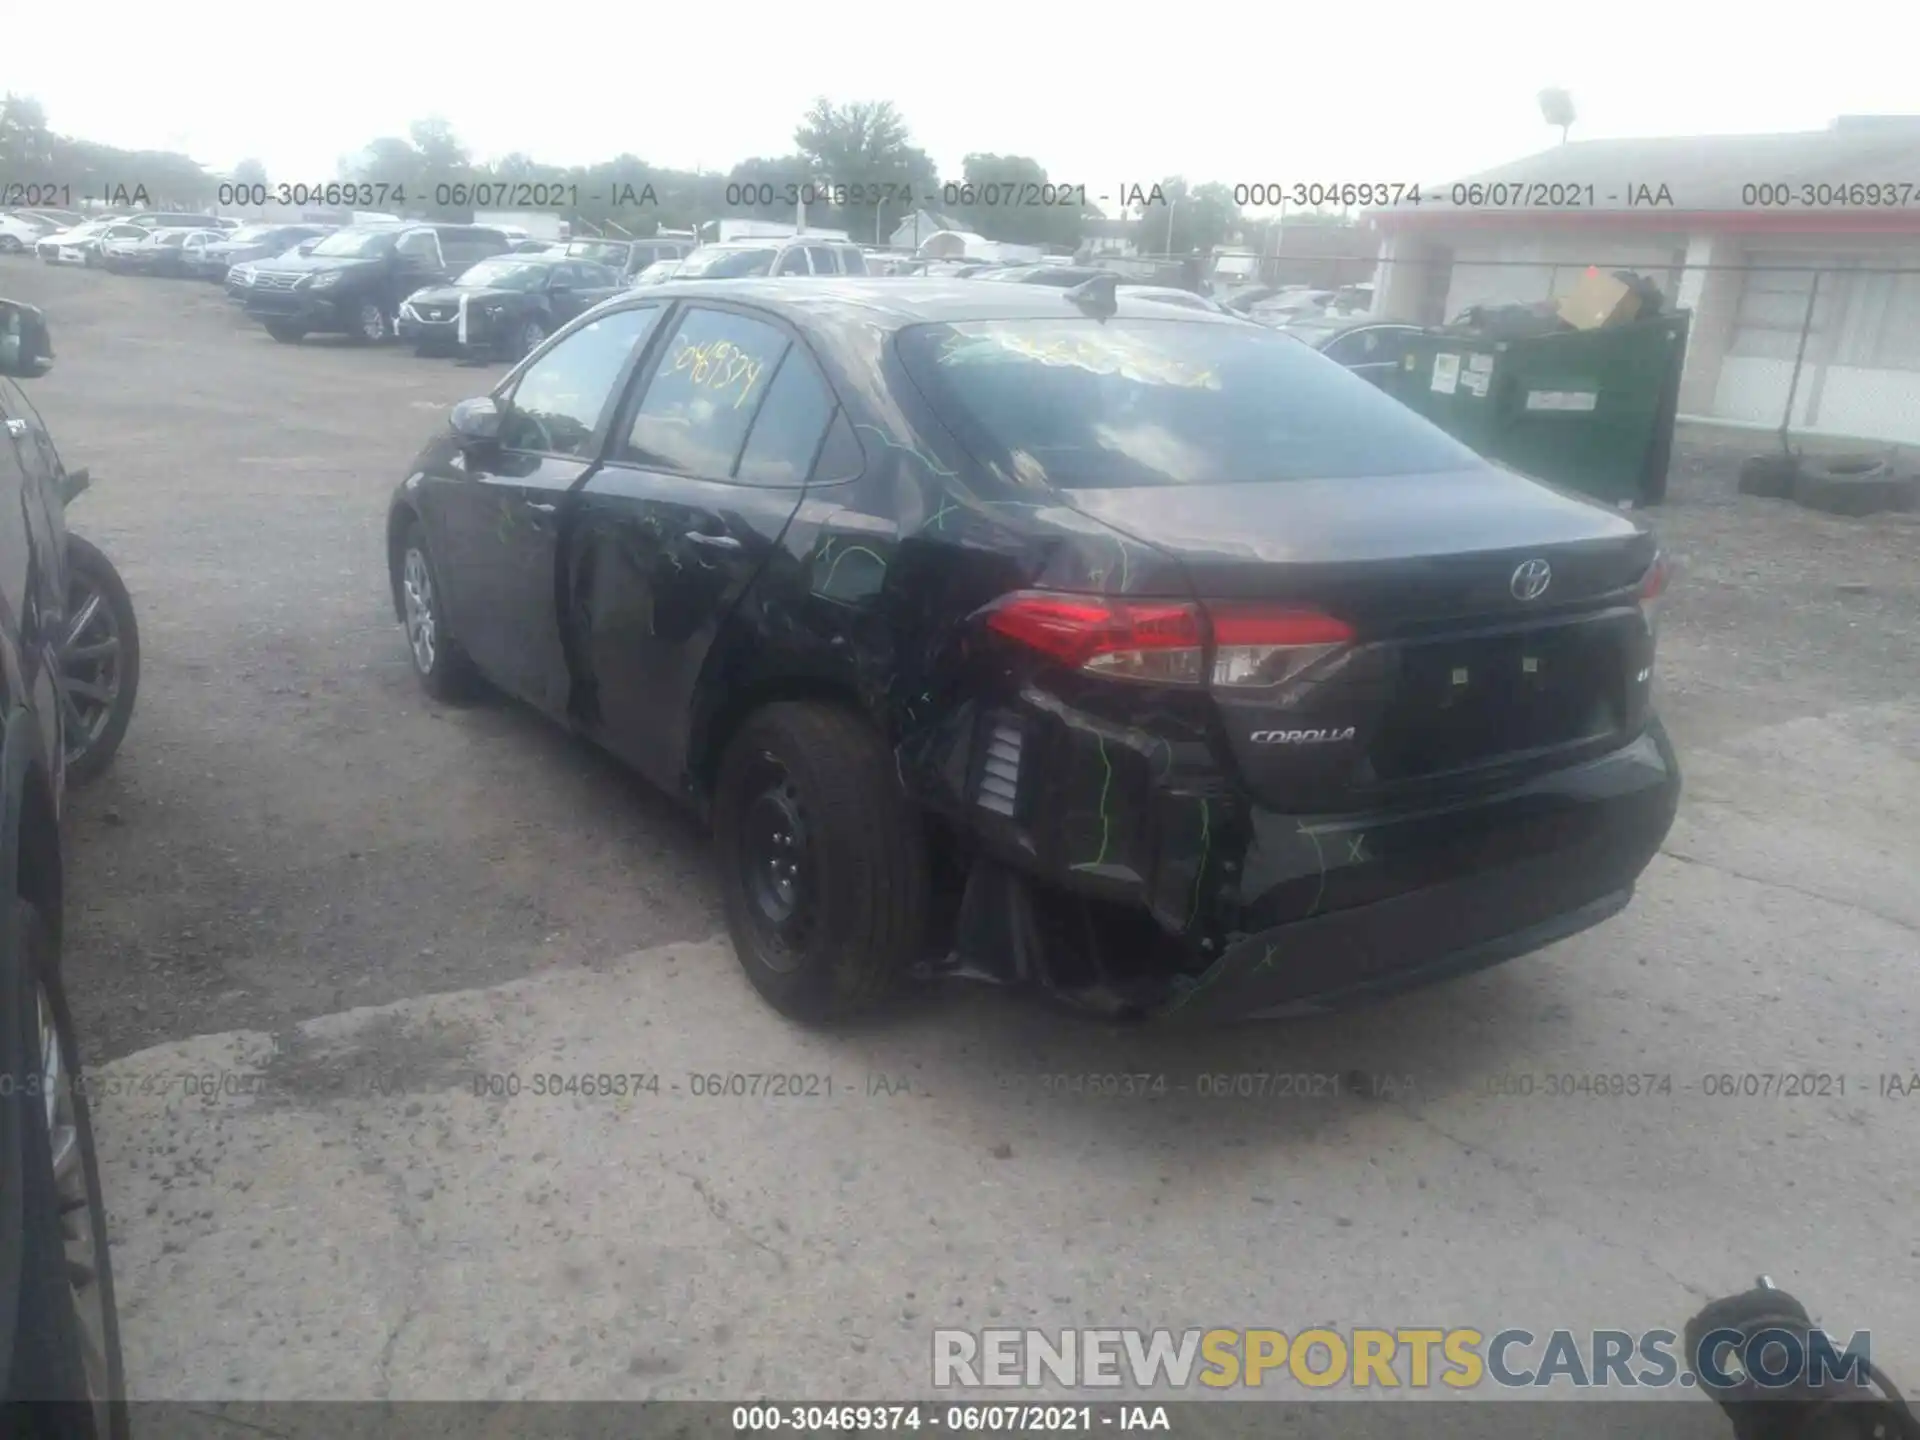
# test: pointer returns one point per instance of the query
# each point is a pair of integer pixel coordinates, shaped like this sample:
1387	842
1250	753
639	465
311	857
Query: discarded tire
1770	476
1873	491
1845	467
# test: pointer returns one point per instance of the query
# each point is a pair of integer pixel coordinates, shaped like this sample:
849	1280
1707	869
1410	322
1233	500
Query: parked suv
779	255
59	1332
352	282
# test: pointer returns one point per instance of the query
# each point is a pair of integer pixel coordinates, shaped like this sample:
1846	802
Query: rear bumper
1262	914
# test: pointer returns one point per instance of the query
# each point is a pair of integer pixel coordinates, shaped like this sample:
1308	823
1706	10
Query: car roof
914	300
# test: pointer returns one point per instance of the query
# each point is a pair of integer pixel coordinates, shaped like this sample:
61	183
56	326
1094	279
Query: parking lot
343	904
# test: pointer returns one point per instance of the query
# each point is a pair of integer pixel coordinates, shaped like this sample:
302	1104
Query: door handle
539	507
709	541
17	429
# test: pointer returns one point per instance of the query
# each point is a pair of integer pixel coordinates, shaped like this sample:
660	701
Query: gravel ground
291	833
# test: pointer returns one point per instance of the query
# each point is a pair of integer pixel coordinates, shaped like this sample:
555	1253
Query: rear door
494	517
708	464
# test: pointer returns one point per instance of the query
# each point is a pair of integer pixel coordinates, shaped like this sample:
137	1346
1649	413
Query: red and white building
1734	228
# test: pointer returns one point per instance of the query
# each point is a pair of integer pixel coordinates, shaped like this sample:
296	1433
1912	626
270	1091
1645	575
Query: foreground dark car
59	1330
1054	637
512	303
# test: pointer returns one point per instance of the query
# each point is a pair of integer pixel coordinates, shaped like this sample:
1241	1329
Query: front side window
822	259
794	262
556	406
1082	403
708	386
419	245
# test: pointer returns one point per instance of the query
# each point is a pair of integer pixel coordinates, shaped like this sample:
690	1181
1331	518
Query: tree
1556	108
250	172
1177	218
26	144
759	186
866	145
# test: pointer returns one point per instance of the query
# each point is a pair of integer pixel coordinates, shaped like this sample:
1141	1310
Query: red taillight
1655	583
1165	641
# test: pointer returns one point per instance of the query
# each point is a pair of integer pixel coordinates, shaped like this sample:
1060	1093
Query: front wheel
67	1345
99	661
371	324
531	335
823	868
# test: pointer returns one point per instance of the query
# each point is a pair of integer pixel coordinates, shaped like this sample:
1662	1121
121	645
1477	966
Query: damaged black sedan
1055	638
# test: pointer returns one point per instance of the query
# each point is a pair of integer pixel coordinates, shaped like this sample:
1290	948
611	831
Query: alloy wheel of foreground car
823	866
79	1203
442	666
416	588
99	661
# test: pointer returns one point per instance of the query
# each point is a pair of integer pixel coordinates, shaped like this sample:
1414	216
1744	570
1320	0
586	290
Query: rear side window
822	258
712	376
1081	403
853	262
787	432
793	262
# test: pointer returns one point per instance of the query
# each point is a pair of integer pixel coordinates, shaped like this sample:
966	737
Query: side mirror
26	345
73	484
476	422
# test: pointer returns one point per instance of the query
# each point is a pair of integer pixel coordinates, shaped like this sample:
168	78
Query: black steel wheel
823	866
67	1364
99	658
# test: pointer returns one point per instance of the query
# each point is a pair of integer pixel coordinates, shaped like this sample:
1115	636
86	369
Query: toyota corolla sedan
1054	637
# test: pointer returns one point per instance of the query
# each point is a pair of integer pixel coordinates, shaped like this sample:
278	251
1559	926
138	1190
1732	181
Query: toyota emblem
1530	580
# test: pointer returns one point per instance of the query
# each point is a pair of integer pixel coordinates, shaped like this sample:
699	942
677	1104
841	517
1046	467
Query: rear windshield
1078	403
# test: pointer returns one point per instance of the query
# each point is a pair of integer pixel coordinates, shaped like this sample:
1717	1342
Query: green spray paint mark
1106	820
1318	855
1206	849
826	585
892	444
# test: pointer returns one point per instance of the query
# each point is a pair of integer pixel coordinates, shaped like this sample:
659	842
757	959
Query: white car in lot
20	231
82	244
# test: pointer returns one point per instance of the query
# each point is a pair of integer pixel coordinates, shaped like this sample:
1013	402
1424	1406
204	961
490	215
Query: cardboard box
1599	299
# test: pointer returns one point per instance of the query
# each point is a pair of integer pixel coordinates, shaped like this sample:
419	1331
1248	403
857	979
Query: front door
496	513
707	466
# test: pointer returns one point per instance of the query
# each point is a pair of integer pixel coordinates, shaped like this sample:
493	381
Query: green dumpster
1590	410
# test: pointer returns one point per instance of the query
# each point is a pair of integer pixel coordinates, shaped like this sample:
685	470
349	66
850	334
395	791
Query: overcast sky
1102	95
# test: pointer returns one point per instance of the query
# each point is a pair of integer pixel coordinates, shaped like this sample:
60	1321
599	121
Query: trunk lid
1495	619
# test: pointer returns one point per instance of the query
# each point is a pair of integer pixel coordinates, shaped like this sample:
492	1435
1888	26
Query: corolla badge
1530	580
1301	737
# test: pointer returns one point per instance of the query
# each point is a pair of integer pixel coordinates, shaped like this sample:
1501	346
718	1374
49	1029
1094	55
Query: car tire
371	323
531	335
1769	477
88	569
66	1270
286	334
10	245
823	865
442	667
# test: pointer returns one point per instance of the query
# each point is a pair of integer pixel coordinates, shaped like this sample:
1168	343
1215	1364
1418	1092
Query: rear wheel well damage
711	738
